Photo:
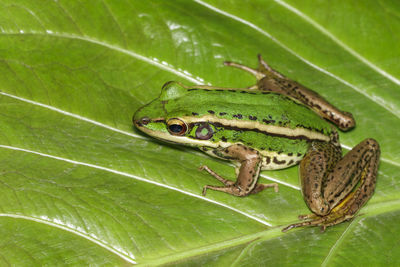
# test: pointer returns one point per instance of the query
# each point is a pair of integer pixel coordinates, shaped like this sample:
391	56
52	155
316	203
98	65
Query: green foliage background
79	185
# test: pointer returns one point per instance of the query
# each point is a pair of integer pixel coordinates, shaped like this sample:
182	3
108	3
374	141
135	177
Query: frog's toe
311	216
204	192
303	217
295	225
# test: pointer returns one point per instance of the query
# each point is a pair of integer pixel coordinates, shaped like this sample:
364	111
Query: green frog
274	124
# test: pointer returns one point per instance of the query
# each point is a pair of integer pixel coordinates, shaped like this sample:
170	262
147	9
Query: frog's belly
275	161
270	160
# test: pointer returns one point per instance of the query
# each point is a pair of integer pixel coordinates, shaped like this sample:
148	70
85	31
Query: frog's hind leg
270	80
324	221
347	187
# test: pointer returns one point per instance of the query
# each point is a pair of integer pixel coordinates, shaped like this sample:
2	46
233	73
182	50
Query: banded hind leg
273	81
335	190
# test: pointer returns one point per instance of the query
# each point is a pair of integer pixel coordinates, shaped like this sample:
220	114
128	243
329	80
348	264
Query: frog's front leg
336	190
249	170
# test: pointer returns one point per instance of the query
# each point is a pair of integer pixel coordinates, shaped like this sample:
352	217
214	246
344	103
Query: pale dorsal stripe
272	129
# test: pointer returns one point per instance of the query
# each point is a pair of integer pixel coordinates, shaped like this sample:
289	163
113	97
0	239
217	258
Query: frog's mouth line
146	120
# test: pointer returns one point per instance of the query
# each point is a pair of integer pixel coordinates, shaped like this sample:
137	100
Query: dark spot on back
268	121
253	118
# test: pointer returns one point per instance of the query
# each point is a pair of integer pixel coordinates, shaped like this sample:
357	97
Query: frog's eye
176	127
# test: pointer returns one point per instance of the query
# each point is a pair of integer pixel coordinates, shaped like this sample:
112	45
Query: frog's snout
140	121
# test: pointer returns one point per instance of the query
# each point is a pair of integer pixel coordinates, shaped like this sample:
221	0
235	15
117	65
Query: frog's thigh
250	166
359	165
314	170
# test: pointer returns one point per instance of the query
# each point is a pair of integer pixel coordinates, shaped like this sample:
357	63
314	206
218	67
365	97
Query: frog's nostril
144	121
140	122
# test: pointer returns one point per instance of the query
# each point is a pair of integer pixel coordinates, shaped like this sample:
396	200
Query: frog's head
163	117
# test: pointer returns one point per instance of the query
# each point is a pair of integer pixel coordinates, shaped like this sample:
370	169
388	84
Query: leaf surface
80	185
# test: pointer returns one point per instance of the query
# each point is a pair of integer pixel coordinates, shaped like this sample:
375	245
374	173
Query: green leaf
79	185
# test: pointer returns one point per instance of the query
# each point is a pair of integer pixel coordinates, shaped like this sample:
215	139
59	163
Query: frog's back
278	127
262	108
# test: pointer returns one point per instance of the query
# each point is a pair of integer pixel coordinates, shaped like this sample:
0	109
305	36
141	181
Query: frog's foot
322	221
233	190
232	187
304	217
261	187
317	222
229	185
216	175
263	67
257	73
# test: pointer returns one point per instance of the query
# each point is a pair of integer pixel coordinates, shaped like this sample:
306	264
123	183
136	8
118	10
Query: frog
276	123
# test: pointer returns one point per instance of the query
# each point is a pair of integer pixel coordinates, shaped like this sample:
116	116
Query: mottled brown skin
250	166
337	202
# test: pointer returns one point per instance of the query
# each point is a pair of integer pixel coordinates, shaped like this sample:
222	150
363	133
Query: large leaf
80	185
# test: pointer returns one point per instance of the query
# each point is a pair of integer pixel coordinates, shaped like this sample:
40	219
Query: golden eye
176	126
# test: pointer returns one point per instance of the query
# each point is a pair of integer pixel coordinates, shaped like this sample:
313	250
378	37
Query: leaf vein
139	179
117	251
155	62
338	41
378	101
